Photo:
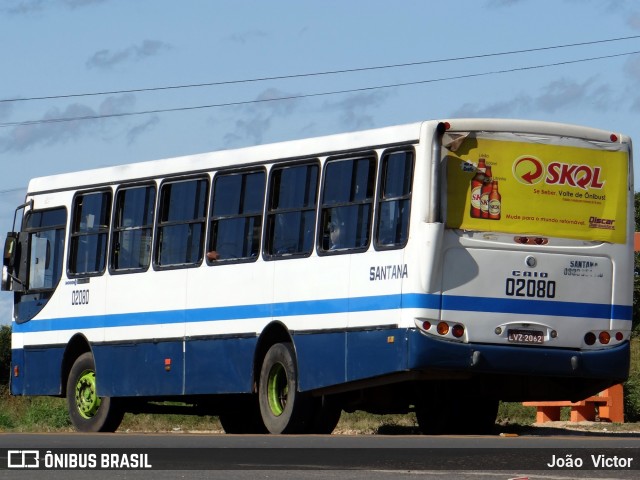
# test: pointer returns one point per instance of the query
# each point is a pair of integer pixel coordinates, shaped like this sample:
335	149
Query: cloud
563	93
24	7
106	59
27	7
633	21
140	129
6	108
558	95
82	3
354	110
632	68
256	119
248	36
503	3
503	108
50	132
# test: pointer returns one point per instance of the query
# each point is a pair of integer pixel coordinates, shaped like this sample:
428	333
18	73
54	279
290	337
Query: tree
5	354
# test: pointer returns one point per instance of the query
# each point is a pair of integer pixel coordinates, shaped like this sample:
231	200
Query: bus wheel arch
275	332
88	411
76	347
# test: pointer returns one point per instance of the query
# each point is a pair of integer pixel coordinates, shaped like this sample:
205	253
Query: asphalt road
366	457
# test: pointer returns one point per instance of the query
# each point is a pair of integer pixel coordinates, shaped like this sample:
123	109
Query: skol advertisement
537	189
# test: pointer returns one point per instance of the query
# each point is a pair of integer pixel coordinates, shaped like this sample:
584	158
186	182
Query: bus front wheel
283	408
88	411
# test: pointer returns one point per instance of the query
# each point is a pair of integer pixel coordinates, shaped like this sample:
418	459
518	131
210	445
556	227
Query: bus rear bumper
430	353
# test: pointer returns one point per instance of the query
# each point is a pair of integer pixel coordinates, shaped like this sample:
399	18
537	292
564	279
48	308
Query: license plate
525	336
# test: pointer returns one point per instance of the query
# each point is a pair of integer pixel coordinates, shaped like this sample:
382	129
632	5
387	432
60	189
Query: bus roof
308	147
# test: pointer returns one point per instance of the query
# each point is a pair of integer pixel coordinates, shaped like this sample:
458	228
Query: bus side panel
376	352
320	359
219	365
139	369
17	362
40	372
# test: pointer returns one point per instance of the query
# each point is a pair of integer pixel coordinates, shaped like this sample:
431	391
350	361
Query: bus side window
236	216
181	222
394	200
133	228
347	204
293	193
89	233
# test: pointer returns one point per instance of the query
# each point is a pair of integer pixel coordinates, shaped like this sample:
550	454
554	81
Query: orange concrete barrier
609	402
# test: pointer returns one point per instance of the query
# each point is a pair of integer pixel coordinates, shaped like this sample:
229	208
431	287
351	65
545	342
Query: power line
314	74
311	95
11	190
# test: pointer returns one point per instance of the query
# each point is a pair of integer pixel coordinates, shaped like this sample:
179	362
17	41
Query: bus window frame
210	218
266	240
367	154
379	198
119	188
157	225
71	234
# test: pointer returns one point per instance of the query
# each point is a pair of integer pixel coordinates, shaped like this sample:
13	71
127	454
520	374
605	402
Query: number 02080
79	297
532	288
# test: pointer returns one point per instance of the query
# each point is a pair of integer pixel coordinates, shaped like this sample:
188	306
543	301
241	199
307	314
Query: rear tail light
457	331
604	338
443	328
448	330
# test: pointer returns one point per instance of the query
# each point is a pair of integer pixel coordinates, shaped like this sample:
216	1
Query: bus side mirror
14	274
10	249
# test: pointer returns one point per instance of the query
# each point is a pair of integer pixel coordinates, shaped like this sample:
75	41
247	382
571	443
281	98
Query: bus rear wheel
450	414
283	408
88	411
244	417
325	415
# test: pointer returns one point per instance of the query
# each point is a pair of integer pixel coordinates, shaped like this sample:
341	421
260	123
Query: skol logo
582	176
530	170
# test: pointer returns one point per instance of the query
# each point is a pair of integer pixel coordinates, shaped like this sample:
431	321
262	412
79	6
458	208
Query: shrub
5	354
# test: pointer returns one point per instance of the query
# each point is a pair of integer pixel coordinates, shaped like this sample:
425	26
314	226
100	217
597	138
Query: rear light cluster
604	337
531	240
444	329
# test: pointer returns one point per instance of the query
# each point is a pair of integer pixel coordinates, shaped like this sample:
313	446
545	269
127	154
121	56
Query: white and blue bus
436	267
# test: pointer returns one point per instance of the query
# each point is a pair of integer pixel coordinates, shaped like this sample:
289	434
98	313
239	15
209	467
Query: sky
161	78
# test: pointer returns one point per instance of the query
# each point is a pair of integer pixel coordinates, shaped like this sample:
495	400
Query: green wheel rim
277	389
87	400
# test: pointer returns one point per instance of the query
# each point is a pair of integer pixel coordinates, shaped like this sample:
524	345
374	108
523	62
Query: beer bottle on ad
495	202
476	189
486	190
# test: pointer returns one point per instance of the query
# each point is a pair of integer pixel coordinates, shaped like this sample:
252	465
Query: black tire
433	418
480	417
448	413
244	418
325	415
283	408
88	412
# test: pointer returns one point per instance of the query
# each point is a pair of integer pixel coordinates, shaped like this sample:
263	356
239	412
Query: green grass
33	414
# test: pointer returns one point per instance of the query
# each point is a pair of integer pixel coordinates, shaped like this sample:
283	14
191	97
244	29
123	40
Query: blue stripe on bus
338	305
536	307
